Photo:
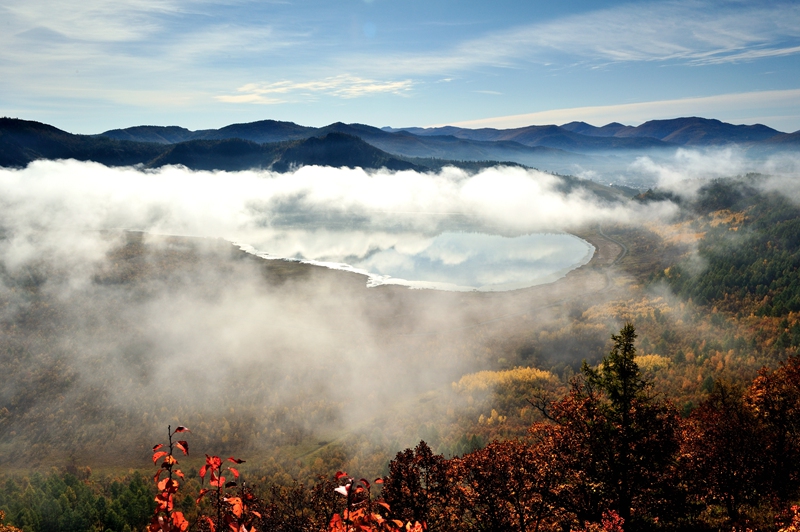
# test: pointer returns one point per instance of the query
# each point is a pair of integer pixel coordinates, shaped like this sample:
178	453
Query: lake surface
450	260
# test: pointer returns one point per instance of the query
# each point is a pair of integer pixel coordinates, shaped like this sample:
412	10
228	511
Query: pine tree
620	440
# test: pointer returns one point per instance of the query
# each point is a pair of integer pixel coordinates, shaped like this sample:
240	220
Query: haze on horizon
101	65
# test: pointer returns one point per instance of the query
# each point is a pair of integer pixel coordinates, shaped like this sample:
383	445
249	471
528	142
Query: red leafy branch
165	518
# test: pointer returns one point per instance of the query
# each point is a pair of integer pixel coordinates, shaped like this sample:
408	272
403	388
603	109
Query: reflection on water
447	261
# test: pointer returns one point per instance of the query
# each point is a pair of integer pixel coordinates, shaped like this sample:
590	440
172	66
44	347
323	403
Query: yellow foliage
652	362
680	233
6	528
727	217
628	309
485	380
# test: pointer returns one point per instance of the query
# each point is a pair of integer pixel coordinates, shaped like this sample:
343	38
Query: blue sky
99	64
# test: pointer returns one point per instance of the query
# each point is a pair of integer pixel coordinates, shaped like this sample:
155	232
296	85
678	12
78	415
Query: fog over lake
450	260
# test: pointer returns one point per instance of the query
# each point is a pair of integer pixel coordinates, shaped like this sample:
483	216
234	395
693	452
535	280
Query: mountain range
581	136
282	145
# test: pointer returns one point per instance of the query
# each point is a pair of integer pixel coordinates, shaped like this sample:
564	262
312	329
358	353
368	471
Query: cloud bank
70	195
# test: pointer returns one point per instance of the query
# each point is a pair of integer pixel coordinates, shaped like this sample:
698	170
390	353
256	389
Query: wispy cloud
342	86
689	32
754	54
93	20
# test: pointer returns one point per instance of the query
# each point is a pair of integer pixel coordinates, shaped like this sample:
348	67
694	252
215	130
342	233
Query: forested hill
750	248
259	144
24	141
687	131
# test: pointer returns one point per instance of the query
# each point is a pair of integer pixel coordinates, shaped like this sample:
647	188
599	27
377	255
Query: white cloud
689	32
686	171
239	205
93	20
342	86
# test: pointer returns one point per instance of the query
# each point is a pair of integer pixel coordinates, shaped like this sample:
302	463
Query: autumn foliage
611	454
233	506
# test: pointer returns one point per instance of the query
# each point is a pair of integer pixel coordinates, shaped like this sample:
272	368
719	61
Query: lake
450	260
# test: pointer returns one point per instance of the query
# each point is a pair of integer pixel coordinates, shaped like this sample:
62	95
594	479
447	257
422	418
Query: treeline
611	454
67	501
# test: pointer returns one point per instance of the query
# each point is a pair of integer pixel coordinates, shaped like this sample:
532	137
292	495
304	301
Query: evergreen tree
620	440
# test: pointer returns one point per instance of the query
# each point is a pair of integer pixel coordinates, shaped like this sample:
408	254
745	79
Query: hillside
260	132
576	146
338	149
580	136
24	141
554	137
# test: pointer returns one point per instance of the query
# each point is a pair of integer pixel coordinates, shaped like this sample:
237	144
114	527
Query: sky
95	65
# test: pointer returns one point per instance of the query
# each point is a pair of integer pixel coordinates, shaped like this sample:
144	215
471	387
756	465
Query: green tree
619	440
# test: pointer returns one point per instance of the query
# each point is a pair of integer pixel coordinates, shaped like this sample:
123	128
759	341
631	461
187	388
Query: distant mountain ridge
261	132
23	141
464	143
689	131
279	145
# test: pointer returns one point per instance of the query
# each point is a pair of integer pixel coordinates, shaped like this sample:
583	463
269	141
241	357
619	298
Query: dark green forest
755	266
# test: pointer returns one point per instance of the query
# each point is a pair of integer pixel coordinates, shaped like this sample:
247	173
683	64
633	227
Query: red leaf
340	474
178	472
383	504
169	460
236	505
378	481
183	446
157	447
235	460
179	522
234	471
181	429
164	502
255	513
203	471
157	475
201	495
168	485
158	455
210	522
217	483
364	481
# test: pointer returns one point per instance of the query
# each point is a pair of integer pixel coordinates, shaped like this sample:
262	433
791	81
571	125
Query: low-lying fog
91	325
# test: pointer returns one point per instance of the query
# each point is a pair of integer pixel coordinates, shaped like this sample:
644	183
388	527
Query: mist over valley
129	303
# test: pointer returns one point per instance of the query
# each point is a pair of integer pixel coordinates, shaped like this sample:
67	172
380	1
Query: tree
774	396
512	486
723	453
618	439
419	486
